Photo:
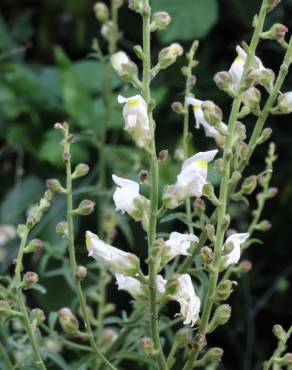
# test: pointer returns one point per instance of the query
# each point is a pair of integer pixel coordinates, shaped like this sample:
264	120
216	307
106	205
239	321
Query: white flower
7	233
200	119
190	303
136	289
234	256
118	60
118	260
191	180
136	119
237	66
285	102
179	244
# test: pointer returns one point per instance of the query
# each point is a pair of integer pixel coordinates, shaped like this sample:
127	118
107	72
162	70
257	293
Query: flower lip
205	156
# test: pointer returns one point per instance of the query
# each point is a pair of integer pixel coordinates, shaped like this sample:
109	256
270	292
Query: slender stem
153	306
81	297
6	358
171	359
278	352
19	266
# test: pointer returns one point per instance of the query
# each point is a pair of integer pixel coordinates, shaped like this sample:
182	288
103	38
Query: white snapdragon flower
190	181
7	233
285	103
136	288
118	260
237	66
234	256
127	197
119	60
200	119
190	303
136	119
179	244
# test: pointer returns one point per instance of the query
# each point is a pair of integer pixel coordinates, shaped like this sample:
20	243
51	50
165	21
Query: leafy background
46	75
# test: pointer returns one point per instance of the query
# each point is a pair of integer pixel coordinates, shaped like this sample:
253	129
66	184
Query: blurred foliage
47	75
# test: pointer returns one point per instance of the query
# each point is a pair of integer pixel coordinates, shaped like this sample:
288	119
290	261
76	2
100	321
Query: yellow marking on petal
238	59
133	103
196	107
87	241
203	164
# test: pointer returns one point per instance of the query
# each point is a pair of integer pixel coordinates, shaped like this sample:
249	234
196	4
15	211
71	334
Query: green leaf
57	359
190	18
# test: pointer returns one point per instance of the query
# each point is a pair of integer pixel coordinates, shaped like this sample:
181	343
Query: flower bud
251	98
183	337
136	5
276	32
264	225
210	230
29	279
249	184
279	332
37	315
226	221
62	229
80	273
245	266
221	316
143	174
199	342
107	29
286	360
272	192
85	208
177	107
208	192
34	246
199	207
81	170
160	21
55	186
108	336
169	55
271	4
68	321
224	289
235	177
265	135
125	68
219	164
206	255
212	113
162	155
284	105
147	346
101	12
224	81
5	309
213	355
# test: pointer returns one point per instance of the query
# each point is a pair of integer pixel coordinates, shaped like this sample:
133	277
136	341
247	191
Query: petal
206	156
122	99
131	185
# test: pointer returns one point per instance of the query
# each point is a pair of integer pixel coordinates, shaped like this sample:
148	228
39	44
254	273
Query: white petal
206	156
128	283
132	185
234	256
122	99
193	101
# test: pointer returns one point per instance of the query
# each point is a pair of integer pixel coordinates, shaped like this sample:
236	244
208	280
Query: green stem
19	266
171	359
154	170
278	352
81	297
6	358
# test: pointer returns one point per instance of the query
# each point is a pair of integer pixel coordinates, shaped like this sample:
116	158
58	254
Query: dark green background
46	76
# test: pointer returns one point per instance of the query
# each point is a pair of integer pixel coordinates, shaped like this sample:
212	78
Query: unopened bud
199	342
54	185
125	68
224	81
199	207
286	360
160	21
136	5
212	113
208	192
139	52
101	12
37	315
265	135
271	4
81	170
213	355
5	309
143	174
210	230
29	279
85	208
276	32
169	55
177	107
226	221
235	177
224	289
219	164
206	255
68	321
183	337
245	266
272	192
279	332
264	225
62	229
108	336
221	316
285	103
34	246
147	346
249	184
251	98
80	273
107	29
162	156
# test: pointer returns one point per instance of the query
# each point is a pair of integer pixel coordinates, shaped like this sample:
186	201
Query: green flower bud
264	225
276	32
226	221
5	309
101	12
219	164
285	103
224	81
147	346
160	21
271	4
139	52
29	279
162	155
80	273
55	186
183	337
208	192
34	246
279	332
272	192
81	170
286	360
221	316
212	113
249	184
213	355
199	207
235	177
169	55
85	208
251	98
37	315
265	135
177	107
206	255
210	229
62	229
224	290
136	5
108	336
68	321
125	68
